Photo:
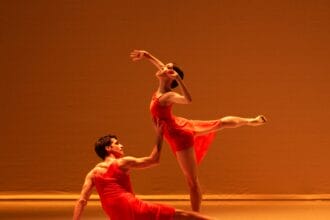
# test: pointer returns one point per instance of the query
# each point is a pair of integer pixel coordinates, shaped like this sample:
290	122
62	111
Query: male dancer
112	183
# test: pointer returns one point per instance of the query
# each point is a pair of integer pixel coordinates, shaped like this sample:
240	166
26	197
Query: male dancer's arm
151	160
84	196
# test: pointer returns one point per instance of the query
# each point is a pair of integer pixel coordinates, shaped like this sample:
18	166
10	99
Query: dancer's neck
163	87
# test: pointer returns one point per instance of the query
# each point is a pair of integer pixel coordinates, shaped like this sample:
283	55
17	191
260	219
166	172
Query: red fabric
181	133
119	202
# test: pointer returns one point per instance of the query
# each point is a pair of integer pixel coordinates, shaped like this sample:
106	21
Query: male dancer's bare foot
257	121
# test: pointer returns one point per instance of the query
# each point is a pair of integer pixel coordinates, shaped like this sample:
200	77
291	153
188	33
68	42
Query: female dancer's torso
182	133
177	131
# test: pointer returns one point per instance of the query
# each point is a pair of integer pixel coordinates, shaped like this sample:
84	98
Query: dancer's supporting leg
187	161
186	215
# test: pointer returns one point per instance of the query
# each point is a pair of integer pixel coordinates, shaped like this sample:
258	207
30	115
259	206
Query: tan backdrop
66	79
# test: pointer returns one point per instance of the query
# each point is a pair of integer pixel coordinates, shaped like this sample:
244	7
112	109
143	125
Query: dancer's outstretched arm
145	162
170	97
84	196
139	54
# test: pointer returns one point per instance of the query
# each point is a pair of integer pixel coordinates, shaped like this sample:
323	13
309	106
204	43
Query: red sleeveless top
119	202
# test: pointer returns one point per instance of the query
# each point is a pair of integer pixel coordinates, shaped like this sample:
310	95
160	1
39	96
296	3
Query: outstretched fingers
136	55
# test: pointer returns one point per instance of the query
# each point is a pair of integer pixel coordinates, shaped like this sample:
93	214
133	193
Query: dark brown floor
224	210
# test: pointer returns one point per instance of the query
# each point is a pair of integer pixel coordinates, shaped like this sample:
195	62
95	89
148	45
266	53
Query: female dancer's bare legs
234	122
186	215
187	162
187	158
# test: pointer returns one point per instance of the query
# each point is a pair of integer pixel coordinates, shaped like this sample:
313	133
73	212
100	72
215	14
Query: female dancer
189	139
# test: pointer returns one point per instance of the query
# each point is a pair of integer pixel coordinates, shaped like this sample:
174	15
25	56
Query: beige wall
66	79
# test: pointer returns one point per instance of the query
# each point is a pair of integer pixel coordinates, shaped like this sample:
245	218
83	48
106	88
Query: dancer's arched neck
163	87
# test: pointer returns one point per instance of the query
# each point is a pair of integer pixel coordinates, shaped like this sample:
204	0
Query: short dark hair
101	143
181	74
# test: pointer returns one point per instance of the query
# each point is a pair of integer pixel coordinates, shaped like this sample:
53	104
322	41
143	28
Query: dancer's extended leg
231	122
234	121
187	161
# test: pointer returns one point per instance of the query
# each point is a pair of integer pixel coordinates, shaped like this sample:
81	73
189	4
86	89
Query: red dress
181	133
119	202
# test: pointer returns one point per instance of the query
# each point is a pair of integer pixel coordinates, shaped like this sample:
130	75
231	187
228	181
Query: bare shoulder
124	162
101	165
99	168
167	97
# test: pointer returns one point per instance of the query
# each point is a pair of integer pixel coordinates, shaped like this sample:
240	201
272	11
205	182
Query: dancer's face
166	70
116	148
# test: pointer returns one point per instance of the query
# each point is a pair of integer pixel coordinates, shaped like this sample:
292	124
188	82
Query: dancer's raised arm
139	54
174	97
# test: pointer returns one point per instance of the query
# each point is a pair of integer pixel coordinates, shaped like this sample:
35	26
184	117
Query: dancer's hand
172	74
137	54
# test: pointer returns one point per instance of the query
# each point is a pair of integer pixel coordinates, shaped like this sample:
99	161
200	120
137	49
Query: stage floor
223	210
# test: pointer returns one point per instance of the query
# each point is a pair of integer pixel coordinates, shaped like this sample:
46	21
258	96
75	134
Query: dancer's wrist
146	54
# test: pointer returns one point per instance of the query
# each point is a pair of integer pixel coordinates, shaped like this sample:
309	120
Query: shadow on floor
224	210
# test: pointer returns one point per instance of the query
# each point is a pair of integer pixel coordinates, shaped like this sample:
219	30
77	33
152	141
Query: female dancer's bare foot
257	121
